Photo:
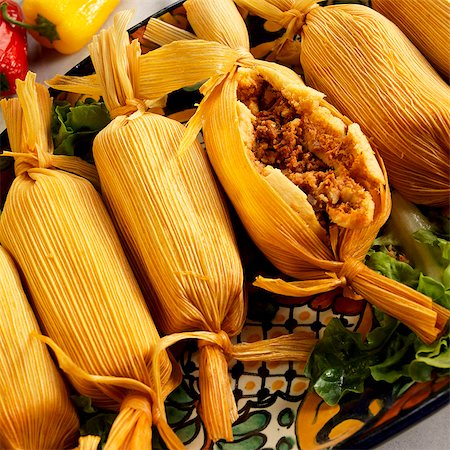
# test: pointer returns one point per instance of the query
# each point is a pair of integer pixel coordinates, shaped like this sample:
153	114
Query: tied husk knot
292	20
348	272
290	15
221	340
244	58
33	145
134	107
117	77
139	403
29	133
23	162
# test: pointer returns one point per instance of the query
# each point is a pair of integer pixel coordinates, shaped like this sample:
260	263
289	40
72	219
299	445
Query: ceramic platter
276	410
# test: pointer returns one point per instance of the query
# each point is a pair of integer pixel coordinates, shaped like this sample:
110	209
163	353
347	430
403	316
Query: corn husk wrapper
426	24
88	442
35	409
277	217
168	34
83	290
373	74
173	219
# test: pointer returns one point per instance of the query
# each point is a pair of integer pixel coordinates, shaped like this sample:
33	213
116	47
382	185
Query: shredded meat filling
280	143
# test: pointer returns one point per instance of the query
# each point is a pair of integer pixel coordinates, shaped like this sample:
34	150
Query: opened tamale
35	409
316	234
175	224
82	288
373	74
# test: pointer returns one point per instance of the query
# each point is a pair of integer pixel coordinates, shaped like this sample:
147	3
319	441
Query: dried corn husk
169	34
82	287
88	442
175	224
373	74
35	409
278	217
427	25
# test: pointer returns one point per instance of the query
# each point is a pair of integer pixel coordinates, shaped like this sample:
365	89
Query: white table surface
433	433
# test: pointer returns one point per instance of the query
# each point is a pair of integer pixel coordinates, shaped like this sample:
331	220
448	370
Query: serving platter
276	409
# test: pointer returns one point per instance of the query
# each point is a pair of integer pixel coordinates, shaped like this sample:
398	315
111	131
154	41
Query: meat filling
280	141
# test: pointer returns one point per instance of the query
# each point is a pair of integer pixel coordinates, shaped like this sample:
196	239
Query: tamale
373	74
426	23
82	288
174	221
35	410
322	252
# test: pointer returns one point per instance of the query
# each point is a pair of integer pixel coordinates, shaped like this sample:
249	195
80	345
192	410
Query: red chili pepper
13	47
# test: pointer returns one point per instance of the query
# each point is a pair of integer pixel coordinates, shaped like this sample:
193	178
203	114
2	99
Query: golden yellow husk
373	74
35	410
89	442
173	218
156	29
83	290
427	25
277	219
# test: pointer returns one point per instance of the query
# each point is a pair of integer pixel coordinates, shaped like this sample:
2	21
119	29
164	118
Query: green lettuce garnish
342	362
75	126
338	364
384	263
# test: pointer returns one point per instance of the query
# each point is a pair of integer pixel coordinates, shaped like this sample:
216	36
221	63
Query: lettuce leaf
338	364
434	289
342	362
75	126
436	354
382	262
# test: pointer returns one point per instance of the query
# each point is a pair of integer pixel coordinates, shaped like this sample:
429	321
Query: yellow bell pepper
66	25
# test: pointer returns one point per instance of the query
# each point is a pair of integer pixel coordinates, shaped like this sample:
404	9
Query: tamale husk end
218	21
217	404
88	442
